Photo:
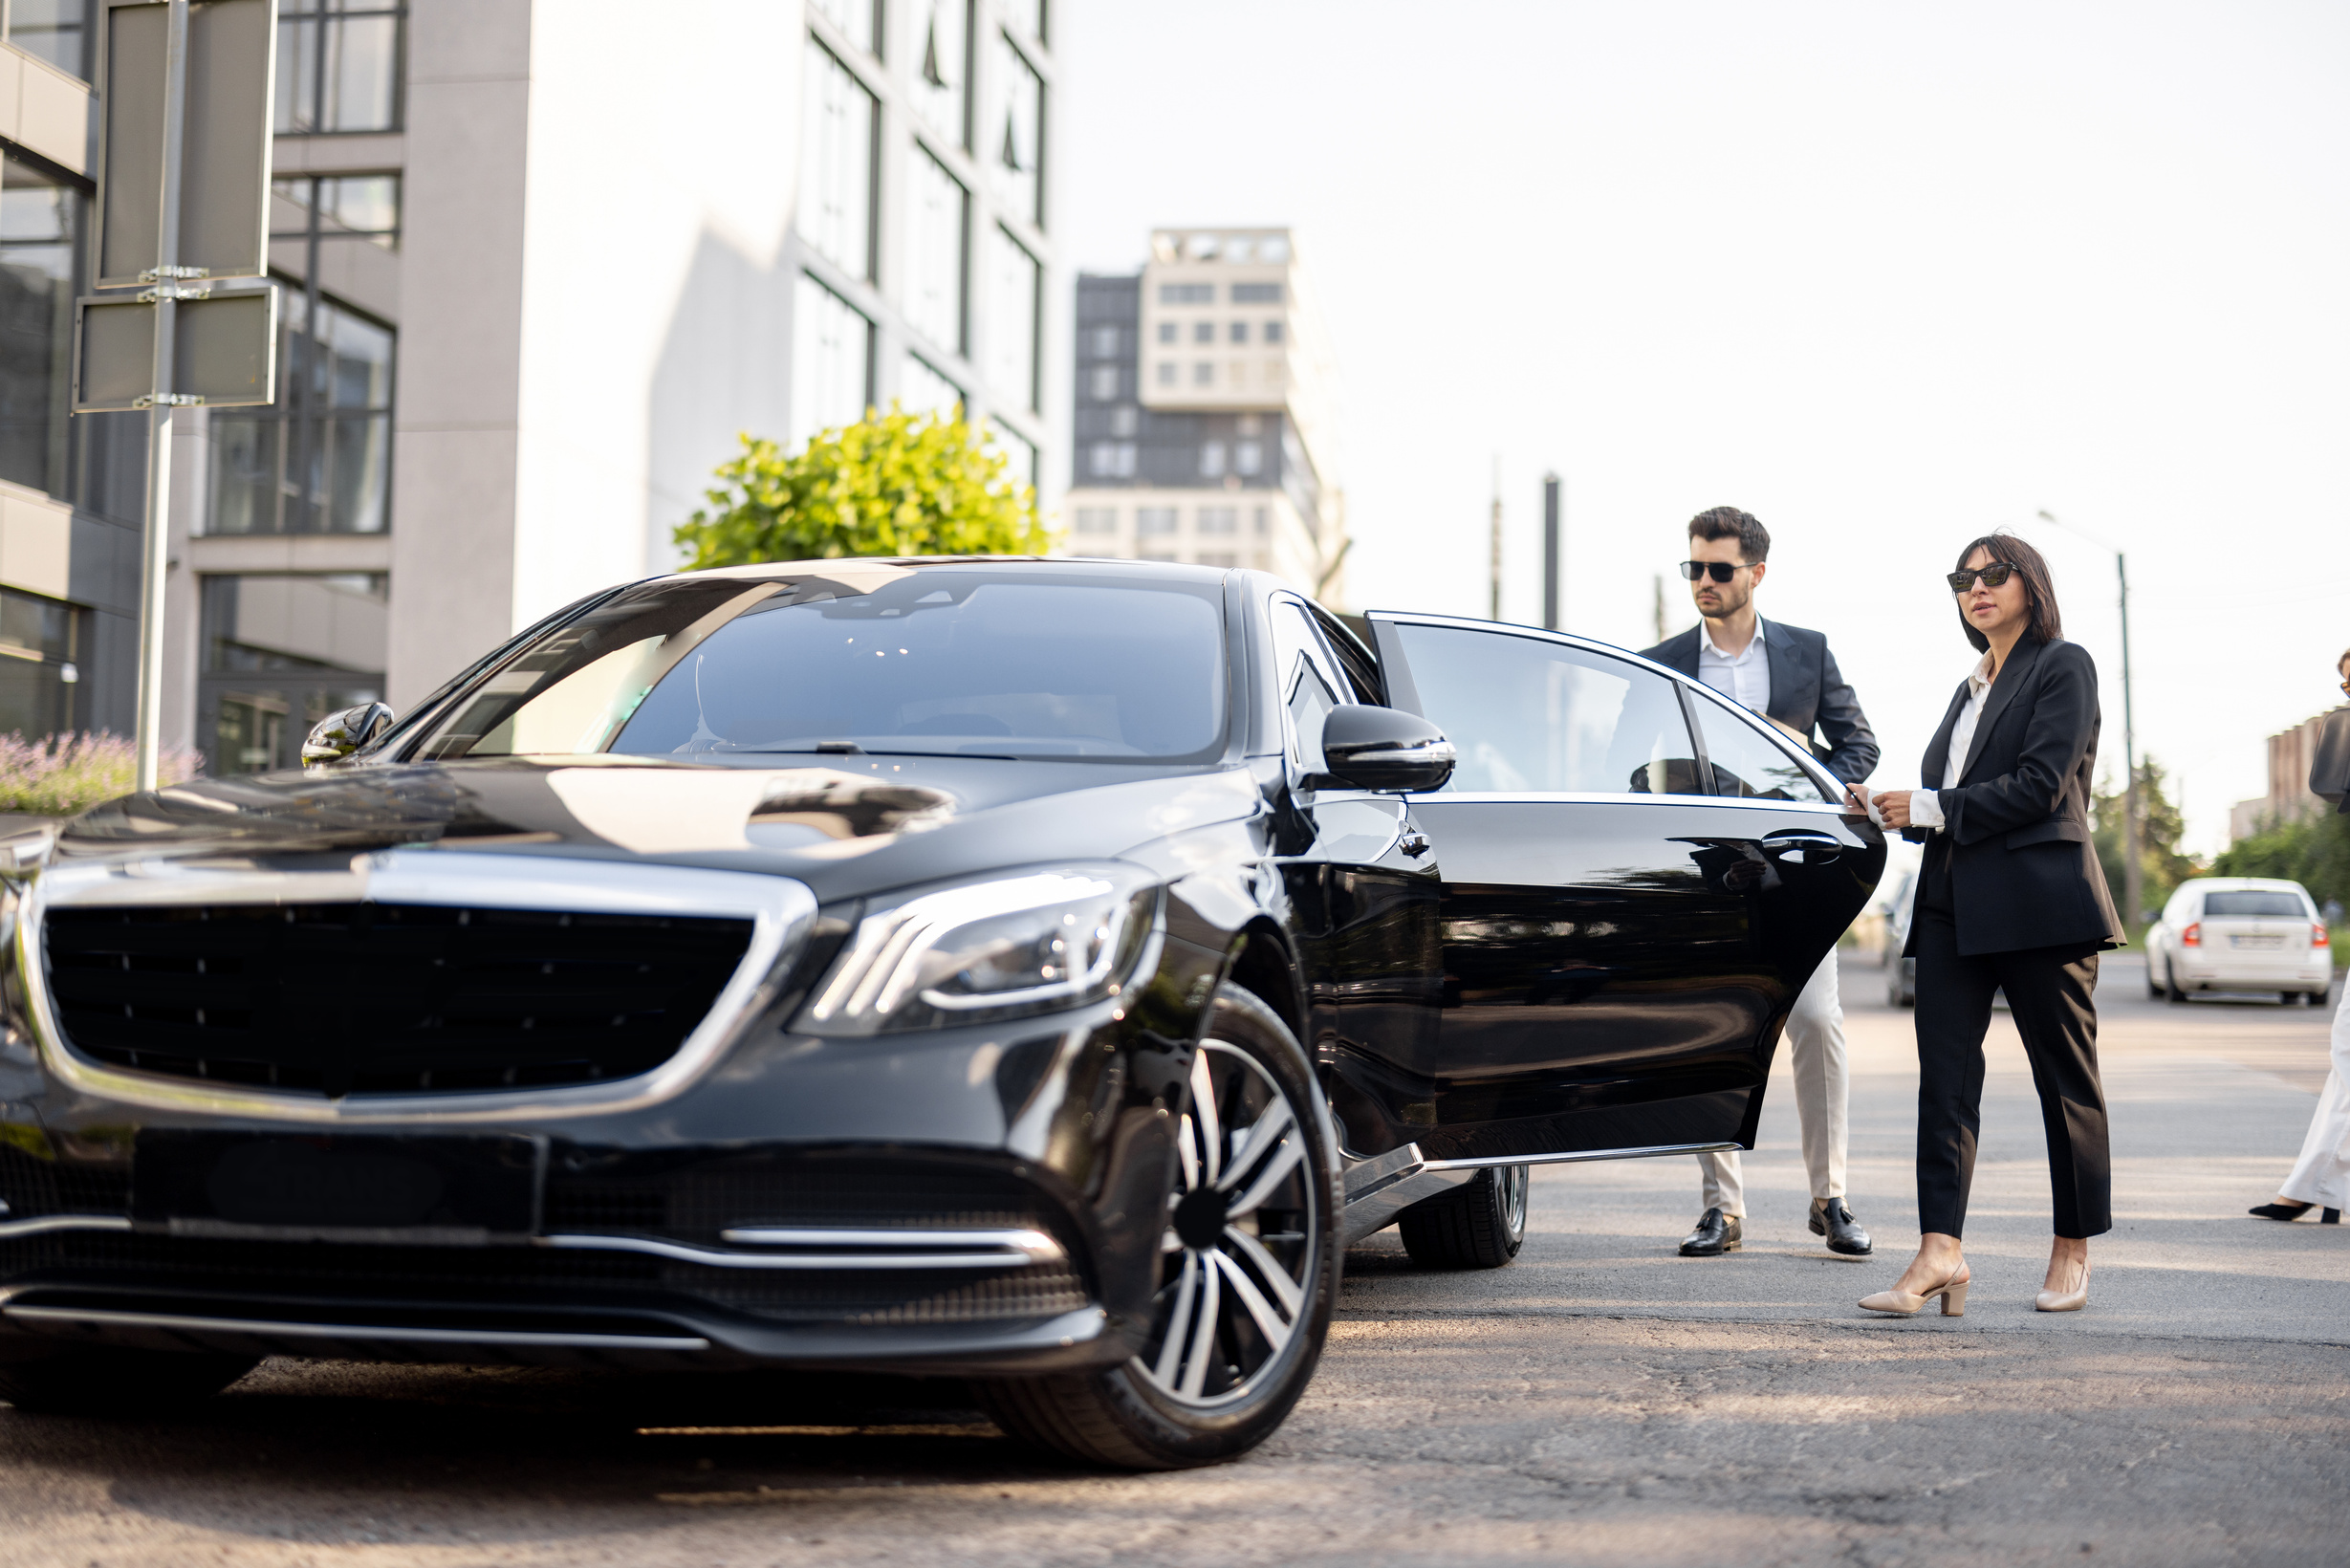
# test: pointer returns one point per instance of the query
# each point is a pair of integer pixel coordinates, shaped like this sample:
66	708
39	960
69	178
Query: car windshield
2220	906
866	657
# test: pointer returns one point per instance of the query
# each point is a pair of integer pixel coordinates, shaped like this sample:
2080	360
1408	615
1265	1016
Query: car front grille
384	999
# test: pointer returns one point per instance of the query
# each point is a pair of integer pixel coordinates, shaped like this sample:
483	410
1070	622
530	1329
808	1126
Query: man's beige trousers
1814	1043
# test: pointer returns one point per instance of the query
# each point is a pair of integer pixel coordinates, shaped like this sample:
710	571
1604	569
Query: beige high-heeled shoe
2065	1300
1903	1304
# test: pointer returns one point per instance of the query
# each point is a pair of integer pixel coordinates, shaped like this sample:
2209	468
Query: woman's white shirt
1926	806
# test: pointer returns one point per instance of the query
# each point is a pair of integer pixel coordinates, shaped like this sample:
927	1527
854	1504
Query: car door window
1309	680
1748	763
1531	716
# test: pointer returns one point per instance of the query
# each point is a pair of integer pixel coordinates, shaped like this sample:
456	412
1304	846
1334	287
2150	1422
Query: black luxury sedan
1034	973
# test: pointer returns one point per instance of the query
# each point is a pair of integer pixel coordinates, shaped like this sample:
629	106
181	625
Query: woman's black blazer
2023	870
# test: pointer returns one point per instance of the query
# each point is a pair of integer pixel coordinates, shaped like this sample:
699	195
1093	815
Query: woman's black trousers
2049	996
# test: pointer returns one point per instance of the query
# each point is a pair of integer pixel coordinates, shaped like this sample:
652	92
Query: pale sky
1887	276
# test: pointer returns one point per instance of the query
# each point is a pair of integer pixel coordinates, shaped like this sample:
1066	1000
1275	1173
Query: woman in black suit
2010	895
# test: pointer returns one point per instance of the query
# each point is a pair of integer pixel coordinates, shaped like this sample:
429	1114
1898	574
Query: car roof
2241	884
1093	566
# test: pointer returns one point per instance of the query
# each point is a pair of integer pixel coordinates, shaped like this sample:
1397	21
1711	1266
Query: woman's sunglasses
1994	576
1719	571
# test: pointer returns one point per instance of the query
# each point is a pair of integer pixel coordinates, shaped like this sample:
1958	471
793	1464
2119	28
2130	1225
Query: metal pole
2133	872
156	559
1550	552
1494	599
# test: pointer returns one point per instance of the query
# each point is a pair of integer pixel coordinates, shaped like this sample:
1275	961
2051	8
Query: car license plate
2257	941
336	1187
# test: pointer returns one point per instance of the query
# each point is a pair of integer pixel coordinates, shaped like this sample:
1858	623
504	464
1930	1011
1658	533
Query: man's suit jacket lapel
1780	657
2011	678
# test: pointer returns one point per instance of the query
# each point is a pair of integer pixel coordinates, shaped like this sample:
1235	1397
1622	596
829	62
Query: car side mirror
338	735
1366	748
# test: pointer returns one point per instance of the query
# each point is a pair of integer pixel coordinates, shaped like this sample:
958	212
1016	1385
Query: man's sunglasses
1720	571
1994	576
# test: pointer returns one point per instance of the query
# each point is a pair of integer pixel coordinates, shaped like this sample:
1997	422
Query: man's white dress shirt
1926	806
1744	680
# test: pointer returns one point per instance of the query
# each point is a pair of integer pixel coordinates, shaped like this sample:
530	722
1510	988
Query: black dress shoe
1716	1233
1832	1218
2290	1211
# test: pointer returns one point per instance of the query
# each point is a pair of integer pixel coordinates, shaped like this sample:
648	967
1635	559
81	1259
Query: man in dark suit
1788	675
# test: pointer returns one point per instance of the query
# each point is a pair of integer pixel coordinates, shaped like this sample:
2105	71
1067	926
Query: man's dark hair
2040	587
1730	523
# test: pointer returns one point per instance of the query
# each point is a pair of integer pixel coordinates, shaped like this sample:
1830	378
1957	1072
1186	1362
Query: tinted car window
950	662
1528	715
2219	906
1746	763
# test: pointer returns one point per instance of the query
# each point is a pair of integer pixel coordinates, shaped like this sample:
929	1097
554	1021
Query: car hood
856	826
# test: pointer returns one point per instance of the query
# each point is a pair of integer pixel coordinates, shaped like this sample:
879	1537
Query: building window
1028	16
42	641
1019	155
938	252
1011	334
1097	519
320	459
1225	559
1248	457
1102	342
943	74
1154	521
1167	373
1167	332
1240	332
1272	331
832	362
337	207
1187	293
1203	374
339	66
279	653
1262	522
1018	450
923	389
836	160
1202	332
1211	459
98	461
1124	421
1112	459
56	30
1101	383
1257	293
858	21
1219	520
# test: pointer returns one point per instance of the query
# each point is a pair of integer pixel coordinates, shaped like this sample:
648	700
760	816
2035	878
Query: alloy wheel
1239	1243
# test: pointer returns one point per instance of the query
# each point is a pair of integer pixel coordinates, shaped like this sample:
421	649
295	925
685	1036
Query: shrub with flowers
62	775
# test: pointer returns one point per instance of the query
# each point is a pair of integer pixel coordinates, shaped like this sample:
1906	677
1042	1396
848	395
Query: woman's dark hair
2040	587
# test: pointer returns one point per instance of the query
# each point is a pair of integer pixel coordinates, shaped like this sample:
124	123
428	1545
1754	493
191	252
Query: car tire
2170	987
105	1380
1241	1311
1480	1223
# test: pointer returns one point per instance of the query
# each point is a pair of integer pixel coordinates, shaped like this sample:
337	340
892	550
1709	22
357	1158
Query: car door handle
1414	844
1803	848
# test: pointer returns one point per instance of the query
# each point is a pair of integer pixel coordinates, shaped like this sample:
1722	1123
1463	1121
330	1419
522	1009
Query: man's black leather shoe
1715	1235
1832	1218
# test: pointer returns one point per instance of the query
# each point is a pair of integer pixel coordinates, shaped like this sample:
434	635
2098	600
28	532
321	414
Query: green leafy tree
2313	851
2160	827
894	484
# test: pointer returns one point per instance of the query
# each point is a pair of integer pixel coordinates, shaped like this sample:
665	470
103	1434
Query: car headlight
1038	942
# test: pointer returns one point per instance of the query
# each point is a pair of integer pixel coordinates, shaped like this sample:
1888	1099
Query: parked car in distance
2237	934
1030	972
1901	969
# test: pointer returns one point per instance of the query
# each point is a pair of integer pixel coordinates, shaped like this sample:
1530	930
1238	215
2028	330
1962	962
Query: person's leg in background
1823	1093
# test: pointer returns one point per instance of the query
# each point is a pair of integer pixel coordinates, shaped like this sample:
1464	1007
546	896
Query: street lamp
2133	874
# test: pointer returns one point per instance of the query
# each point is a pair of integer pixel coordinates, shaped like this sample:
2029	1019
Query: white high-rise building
1204	424
541	261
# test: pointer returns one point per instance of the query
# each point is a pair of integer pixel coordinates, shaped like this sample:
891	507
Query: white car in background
2240	933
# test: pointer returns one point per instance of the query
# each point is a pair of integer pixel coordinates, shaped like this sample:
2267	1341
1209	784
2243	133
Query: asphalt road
1600	1400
